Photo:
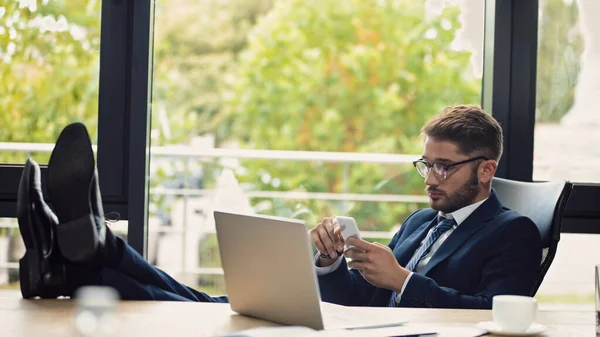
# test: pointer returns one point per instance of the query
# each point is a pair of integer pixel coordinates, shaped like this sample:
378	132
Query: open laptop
270	274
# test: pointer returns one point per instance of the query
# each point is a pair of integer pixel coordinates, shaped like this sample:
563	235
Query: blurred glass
95	311
49	70
567	114
356	77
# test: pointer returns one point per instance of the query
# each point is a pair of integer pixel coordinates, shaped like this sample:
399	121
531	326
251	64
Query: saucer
492	327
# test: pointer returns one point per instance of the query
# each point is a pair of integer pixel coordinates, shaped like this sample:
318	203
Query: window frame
509	80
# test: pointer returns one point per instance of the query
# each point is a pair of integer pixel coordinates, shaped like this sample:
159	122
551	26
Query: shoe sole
70	172
29	264
29	274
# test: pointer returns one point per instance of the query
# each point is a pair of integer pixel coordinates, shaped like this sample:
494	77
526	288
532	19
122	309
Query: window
299	109
567	115
566	132
49	68
49	52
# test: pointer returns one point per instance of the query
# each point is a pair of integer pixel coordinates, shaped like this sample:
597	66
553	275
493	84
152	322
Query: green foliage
560	48
362	77
48	71
196	48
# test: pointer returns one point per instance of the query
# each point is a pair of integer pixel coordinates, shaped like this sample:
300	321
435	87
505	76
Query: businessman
459	253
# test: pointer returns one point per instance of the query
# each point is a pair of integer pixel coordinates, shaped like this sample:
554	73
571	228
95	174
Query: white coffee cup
514	313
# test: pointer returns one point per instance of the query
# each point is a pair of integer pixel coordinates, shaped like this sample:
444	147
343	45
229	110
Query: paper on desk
406	331
292	331
296	331
341	317
420	330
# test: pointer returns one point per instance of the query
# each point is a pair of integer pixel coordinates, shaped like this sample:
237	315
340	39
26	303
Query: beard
464	196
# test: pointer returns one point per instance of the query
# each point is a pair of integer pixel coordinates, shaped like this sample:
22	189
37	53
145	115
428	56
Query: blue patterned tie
441	228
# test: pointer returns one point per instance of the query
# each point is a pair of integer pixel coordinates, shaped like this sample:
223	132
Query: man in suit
460	252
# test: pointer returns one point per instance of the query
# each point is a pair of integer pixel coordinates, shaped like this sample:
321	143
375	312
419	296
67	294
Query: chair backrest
544	204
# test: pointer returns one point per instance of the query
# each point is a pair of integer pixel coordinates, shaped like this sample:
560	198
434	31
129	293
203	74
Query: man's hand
327	237
376	263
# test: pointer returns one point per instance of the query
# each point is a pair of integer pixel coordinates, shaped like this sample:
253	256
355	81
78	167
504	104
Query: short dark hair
473	130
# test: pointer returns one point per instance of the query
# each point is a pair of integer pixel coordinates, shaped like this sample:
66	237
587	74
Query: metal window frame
126	54
509	80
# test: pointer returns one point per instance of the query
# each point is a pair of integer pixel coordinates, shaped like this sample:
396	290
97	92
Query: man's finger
338	232
358	265
330	227
356	255
382	246
327	242
318	243
316	239
359	243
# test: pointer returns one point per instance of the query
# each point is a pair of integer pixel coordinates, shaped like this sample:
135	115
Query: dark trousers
136	279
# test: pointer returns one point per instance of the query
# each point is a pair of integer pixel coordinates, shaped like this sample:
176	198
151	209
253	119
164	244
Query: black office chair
544	203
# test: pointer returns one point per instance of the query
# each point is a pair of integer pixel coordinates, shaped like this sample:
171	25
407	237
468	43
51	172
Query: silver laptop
268	268
270	274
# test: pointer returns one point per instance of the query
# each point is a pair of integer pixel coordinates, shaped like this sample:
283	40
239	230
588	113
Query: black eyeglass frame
446	167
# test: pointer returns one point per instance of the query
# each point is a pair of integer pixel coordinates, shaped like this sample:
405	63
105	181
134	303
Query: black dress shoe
41	270
73	189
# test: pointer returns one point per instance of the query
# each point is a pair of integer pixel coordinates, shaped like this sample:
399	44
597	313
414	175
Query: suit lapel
475	222
405	250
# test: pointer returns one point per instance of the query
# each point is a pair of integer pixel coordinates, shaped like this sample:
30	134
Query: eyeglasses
440	170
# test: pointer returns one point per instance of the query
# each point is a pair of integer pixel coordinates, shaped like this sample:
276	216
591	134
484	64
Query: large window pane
297	108
49	66
566	132
567	113
49	52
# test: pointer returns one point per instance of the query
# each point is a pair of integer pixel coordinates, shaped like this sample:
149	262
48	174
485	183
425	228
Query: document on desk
297	331
399	331
418	330
340	317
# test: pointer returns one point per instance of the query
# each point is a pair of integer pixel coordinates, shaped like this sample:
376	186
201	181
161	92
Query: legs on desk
130	289
136	279
72	246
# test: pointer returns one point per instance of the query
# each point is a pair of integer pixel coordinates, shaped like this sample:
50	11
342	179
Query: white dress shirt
459	216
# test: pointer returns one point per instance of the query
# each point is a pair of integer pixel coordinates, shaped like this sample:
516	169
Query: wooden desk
20	318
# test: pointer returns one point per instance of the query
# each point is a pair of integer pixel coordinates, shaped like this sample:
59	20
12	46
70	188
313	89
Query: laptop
270	274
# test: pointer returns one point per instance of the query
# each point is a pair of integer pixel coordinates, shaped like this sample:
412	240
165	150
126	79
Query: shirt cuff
329	269
399	295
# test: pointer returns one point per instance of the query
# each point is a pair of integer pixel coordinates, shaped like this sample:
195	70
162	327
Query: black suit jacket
494	251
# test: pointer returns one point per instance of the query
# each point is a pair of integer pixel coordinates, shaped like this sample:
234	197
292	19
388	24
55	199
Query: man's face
461	186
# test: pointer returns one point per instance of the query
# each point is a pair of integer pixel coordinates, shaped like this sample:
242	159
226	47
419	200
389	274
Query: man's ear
487	169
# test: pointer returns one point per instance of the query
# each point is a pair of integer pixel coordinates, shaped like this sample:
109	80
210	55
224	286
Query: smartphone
349	228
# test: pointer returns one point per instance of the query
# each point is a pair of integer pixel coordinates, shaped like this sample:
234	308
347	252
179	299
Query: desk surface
19	318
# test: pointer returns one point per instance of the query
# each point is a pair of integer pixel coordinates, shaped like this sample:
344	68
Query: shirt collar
462	214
